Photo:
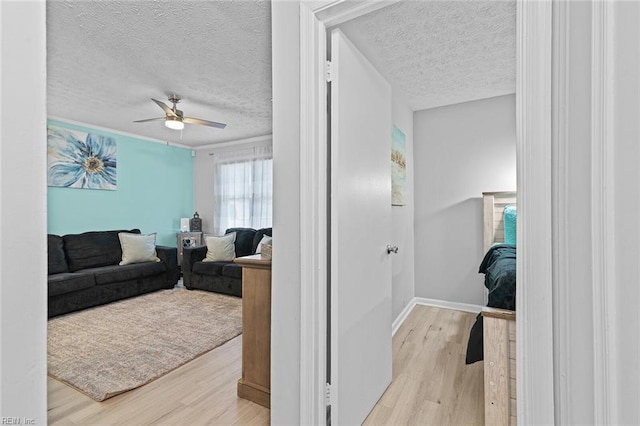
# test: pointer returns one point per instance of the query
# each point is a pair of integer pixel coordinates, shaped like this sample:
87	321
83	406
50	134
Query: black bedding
499	269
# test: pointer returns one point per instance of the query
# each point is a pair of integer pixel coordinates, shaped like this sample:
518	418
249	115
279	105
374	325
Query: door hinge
328	72
328	393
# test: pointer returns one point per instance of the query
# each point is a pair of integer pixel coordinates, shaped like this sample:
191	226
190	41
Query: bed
495	328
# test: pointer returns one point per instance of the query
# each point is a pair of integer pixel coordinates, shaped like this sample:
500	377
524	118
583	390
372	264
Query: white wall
596	232
627	211
460	151
402	291
23	228
285	293
204	177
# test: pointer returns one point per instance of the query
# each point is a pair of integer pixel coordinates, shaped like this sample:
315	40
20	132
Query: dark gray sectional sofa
84	271
220	277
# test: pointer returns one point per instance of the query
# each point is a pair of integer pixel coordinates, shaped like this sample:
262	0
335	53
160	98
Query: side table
186	240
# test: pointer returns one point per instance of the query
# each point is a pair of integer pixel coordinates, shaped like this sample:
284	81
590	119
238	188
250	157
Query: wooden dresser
255	383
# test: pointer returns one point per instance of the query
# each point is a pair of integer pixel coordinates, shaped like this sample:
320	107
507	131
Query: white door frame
534	325
534	304
315	17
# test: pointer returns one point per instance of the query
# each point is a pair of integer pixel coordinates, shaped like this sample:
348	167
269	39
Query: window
243	189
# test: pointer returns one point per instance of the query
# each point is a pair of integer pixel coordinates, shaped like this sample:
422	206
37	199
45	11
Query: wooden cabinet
255	383
186	240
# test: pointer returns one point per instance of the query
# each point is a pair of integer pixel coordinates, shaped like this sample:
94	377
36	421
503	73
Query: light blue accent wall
155	189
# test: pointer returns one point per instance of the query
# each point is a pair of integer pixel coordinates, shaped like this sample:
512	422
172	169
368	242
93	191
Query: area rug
110	349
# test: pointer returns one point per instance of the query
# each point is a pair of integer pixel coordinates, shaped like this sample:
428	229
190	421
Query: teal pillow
509	217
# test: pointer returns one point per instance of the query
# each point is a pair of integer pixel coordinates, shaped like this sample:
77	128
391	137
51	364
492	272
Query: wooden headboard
492	207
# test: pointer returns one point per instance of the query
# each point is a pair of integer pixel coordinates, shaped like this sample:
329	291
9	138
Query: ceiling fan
175	119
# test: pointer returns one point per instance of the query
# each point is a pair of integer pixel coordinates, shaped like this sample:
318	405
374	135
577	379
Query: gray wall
402	234
460	151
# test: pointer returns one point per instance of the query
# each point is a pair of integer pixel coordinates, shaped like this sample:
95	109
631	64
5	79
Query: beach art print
77	159
398	167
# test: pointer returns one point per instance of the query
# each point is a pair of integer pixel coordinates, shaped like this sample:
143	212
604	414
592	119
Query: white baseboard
464	307
403	316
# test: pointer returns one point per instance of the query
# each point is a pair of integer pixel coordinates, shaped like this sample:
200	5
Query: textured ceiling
106	59
441	52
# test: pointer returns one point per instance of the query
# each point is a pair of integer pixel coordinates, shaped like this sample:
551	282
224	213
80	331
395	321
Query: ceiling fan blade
165	108
204	122
150	119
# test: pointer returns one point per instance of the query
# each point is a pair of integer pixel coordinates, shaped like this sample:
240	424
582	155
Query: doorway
310	23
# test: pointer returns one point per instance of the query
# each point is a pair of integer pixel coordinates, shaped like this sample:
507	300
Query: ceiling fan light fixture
174	119
174	123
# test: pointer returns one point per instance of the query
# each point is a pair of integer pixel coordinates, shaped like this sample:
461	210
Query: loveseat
220	277
84	271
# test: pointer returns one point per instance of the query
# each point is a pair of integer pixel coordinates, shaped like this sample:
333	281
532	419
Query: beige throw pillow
265	239
138	248
221	249
267	250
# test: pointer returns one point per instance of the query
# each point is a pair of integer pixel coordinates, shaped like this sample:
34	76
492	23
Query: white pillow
221	249
265	239
137	248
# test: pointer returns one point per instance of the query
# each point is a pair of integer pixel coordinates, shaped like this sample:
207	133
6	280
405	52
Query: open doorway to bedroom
452	69
439	178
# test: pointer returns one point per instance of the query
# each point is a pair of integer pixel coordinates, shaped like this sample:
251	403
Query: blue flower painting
80	160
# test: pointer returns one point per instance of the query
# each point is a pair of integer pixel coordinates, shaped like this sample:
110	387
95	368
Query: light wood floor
431	385
201	392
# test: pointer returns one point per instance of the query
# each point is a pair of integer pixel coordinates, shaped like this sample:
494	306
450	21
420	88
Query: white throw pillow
138	248
265	239
221	249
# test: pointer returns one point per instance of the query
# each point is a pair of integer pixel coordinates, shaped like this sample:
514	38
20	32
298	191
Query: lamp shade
174	123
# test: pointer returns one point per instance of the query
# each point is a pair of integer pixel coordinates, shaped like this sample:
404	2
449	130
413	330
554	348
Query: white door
360	231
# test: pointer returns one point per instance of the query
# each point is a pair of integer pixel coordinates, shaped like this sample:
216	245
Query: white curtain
243	189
